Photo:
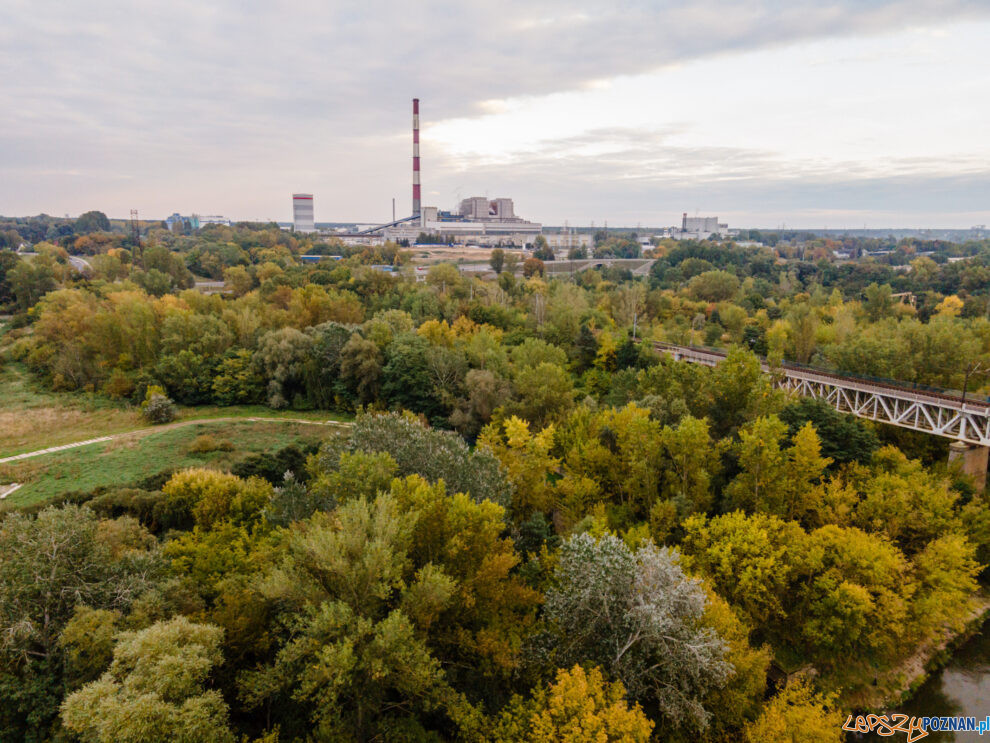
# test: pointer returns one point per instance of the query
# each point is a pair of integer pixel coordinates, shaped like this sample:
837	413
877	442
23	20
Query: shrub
207	442
157	408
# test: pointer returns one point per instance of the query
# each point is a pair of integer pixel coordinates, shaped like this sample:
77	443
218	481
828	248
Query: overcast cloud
765	113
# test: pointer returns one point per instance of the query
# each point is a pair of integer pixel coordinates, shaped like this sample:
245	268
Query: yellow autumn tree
527	461
579	707
437	332
797	715
951	306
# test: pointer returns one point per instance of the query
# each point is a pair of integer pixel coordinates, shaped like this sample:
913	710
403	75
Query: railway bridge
966	422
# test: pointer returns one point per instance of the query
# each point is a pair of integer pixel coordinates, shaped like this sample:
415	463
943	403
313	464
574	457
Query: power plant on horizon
479	220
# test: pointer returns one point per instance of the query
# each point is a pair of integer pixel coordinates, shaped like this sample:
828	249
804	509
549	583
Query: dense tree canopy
536	528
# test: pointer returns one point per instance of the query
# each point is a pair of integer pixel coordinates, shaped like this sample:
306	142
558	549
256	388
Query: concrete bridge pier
972	460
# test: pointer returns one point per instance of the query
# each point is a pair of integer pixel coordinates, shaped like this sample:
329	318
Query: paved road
6	490
154	429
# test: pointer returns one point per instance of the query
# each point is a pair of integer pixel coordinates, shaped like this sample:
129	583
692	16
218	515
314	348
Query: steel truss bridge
939	413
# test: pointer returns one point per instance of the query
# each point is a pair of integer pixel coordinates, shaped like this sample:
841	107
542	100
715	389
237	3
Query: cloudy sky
763	112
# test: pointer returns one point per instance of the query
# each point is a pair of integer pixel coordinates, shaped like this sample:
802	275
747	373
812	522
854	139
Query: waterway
961	688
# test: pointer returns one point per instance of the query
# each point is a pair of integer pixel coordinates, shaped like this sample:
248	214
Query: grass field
33	418
130	459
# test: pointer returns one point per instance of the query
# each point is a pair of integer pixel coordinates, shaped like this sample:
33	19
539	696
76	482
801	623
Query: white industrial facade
302	212
700	228
479	221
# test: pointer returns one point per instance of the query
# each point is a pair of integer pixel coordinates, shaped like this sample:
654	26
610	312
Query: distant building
565	241
202	220
700	228
302	212
178	222
478	221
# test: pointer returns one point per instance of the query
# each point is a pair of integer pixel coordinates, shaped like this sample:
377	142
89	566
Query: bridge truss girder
918	415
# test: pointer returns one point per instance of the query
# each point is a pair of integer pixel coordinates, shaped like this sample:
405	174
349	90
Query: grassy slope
33	418
129	460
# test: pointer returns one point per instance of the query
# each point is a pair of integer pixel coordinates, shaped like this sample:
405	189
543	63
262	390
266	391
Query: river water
962	689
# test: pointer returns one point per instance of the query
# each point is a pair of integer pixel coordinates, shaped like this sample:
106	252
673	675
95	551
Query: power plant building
700	228
302	212
478	221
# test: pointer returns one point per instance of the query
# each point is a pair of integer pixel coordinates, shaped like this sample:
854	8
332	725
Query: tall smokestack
417	204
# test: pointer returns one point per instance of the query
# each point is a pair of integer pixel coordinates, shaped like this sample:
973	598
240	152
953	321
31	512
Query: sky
766	113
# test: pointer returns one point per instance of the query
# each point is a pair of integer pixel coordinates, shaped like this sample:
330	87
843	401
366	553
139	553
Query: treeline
339	334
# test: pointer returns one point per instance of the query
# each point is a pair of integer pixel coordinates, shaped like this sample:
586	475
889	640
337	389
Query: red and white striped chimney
417	204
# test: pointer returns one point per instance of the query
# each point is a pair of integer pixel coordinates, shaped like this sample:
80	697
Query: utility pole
136	234
977	367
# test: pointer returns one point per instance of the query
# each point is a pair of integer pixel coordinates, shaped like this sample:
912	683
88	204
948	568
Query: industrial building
177	222
477	221
700	228
302	212
569	240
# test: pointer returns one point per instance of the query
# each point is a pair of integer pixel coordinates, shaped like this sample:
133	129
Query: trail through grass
33	418
131	459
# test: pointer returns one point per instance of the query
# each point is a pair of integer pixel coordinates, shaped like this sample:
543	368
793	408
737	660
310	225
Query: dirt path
155	429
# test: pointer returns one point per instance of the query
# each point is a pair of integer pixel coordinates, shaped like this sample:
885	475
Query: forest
535	529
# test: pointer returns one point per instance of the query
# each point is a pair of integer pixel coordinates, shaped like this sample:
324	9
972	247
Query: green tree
714	286
282	356
485	392
544	393
93	221
49	565
878	302
775	480
155	690
740	392
361	369
541	249
843	437
236	380
497	260
406	381
687	482
8	259
418	449
855	605
356	660
29	281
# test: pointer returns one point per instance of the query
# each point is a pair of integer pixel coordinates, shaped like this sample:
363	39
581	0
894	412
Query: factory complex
476	221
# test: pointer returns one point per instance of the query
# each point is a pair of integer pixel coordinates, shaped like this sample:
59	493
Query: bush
142	504
157	408
207	442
